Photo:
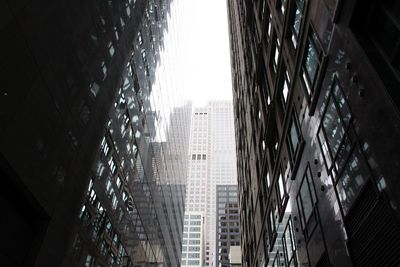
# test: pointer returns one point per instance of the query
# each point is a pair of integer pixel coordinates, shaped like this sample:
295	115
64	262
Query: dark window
295	21
311	63
294	136
306	203
272	220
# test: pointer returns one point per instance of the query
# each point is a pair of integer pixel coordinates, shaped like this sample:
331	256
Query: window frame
293	258
305	222
312	92
331	158
292	19
295	154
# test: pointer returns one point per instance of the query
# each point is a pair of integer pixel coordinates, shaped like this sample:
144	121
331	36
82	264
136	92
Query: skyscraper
316	111
212	161
228	223
95	137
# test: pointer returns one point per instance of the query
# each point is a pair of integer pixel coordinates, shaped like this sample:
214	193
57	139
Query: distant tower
212	161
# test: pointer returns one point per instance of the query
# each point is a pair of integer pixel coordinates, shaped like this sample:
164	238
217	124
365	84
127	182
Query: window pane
306	200
281	187
297	21
294	136
333	127
311	63
352	179
341	101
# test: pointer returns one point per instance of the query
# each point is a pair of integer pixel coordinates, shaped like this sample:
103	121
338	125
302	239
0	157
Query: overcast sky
205	50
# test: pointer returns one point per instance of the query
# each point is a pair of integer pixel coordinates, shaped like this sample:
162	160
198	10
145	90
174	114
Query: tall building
228	224
95	137
316	110
193	240
212	161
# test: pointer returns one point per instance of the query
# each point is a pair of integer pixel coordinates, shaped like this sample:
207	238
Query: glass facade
133	212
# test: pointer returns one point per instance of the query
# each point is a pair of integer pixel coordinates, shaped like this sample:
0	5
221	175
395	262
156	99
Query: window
275	53
334	136
197	248
111	49
105	147
194	235
311	63
89	261
296	17
306	203
294	136
285	86
268	178
294	139
281	187
194	242
281	5
351	180
289	244
94	89
273	221
113	165
269	25
104	69
119	182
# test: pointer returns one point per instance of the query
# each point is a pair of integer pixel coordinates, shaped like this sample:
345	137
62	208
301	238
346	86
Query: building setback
93	152
316	109
228	224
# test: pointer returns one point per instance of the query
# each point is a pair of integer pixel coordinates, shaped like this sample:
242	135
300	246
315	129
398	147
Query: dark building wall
64	66
317	126
228	224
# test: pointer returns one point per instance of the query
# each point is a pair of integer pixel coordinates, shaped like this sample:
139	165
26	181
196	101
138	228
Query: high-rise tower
317	122
212	161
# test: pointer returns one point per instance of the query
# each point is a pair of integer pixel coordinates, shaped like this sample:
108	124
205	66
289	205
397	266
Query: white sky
205	50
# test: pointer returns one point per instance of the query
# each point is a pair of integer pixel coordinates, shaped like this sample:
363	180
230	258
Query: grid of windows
314	129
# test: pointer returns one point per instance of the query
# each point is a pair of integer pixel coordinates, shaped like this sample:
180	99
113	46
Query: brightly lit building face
212	161
193	240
